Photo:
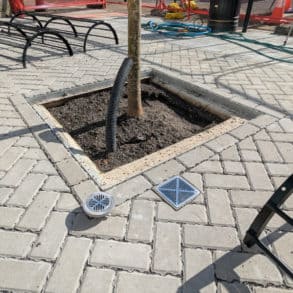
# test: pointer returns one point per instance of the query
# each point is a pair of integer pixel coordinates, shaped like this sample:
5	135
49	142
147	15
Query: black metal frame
37	33
269	209
68	20
247	16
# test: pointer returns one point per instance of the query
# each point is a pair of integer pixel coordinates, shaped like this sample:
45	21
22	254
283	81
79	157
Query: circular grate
98	204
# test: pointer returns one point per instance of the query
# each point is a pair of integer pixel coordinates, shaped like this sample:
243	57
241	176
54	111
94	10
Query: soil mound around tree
167	119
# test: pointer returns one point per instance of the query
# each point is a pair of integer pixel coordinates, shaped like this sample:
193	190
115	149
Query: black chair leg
269	209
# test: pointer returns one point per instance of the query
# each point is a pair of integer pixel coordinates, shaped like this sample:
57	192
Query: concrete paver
145	245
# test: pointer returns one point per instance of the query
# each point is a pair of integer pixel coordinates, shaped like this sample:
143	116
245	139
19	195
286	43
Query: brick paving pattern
48	245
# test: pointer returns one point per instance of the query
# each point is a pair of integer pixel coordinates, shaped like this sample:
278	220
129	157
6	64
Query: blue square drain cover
177	192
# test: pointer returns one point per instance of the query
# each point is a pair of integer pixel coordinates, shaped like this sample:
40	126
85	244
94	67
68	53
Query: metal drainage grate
177	192
98	204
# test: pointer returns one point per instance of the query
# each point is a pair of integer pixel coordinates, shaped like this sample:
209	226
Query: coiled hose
177	29
112	112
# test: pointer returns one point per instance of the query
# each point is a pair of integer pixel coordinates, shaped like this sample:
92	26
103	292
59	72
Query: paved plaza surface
47	244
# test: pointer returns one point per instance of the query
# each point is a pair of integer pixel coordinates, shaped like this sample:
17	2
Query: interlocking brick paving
49	245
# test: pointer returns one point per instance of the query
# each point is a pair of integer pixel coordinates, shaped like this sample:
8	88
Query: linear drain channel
98	204
177	192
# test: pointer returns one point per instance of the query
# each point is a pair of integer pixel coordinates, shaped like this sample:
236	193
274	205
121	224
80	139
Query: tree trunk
134	34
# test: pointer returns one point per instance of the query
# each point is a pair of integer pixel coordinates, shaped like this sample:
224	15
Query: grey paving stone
230	154
191	213
14	176
6	108
222	142
277	181
286	124
277	223
226	181
141	221
23	240
280	169
168	239
194	179
6	143
10	157
9	216
123	255
219	207
67	202
129	189
245	217
36	154
245	198
122	210
51	238
137	282
55	183
195	156
54	149
29	187
268	151
149	195
244	131
263	120
111	227
164	171
98	280
11	121
27	142
199	273
262	135
32	274
69	262
212	237
231	167
9	114
250	156
4	194
275	127
84	189
246	267
224	287
286	150
284	137
258	176
45	167
71	171
215	158
37	213
208	167
247	144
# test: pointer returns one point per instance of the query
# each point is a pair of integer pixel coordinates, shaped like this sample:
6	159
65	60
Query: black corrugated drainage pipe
116	93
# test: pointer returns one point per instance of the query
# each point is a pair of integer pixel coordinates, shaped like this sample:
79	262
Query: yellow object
190	3
174	15
174	7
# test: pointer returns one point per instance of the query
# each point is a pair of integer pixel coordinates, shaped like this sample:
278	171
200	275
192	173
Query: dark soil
166	120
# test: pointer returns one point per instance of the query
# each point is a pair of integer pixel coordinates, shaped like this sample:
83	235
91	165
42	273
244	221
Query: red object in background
40	2
16	5
287	5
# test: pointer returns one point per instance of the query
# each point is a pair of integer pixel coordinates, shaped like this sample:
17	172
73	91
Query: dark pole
247	16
